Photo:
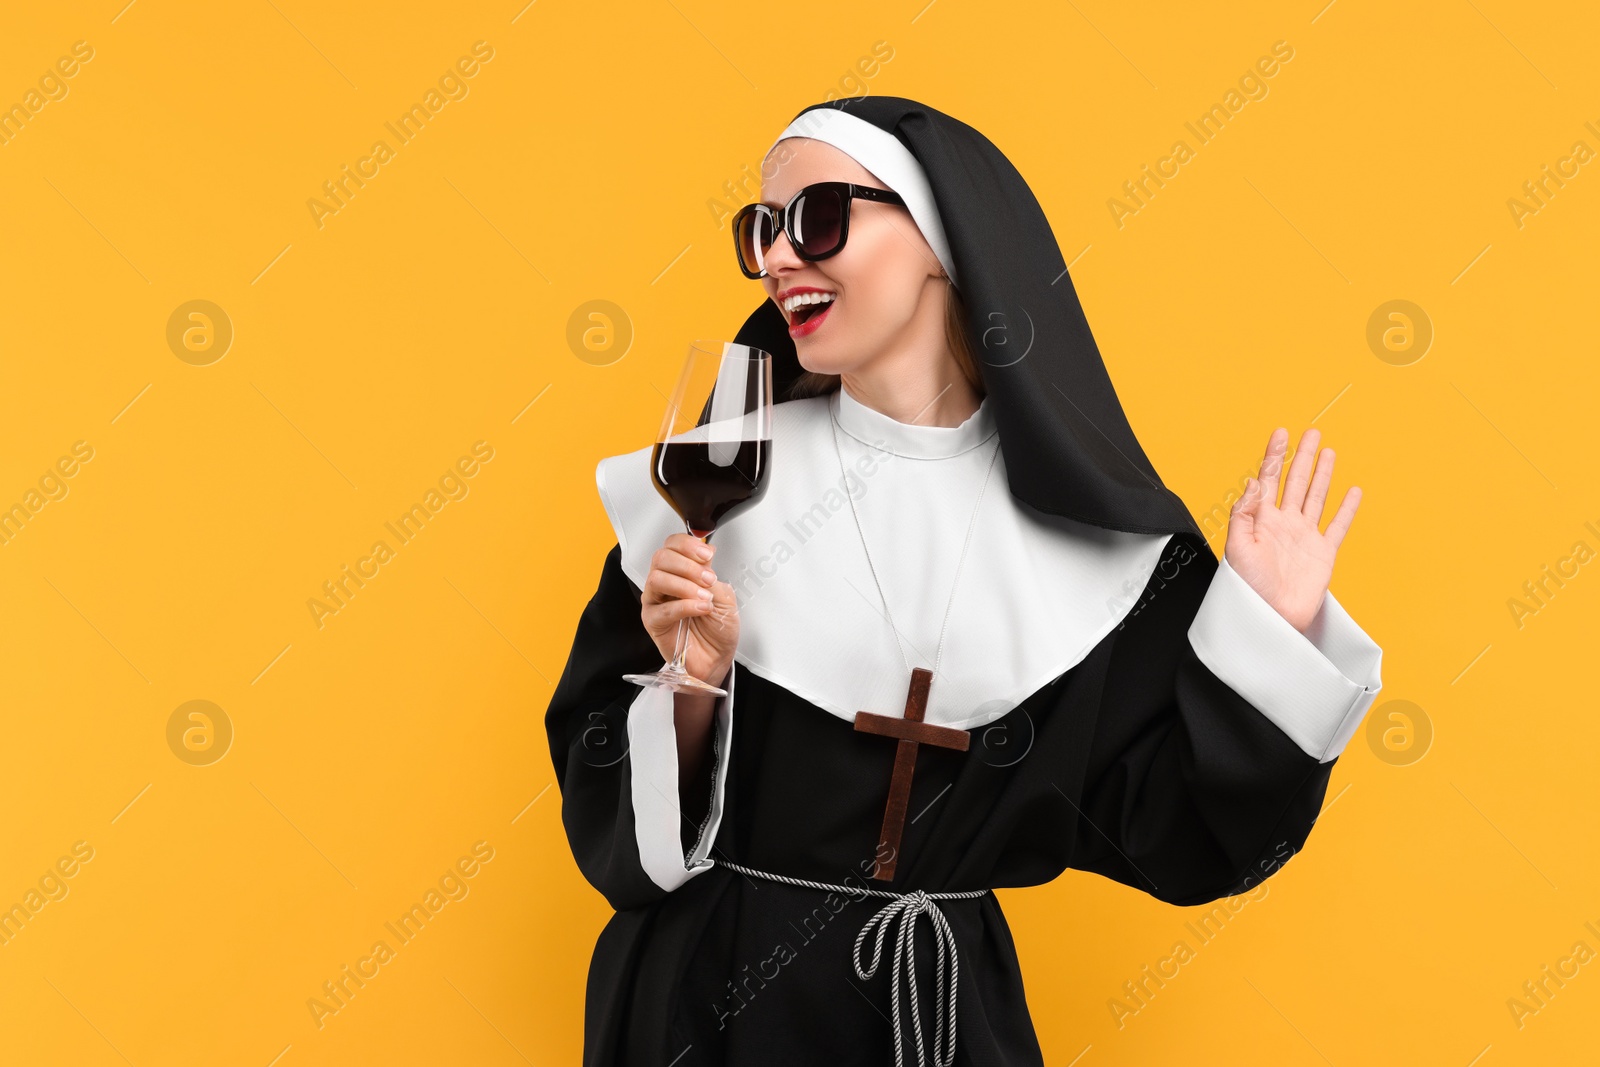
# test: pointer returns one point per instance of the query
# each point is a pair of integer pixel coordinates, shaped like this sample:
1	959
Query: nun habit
1133	708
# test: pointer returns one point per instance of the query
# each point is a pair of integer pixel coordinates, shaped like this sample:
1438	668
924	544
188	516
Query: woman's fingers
676	562
1340	524
681	585
1272	468
668	613
662	585
689	546
667	563
1294	488
1317	495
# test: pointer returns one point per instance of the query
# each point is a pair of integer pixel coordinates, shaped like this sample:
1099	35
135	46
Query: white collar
912	440
1035	594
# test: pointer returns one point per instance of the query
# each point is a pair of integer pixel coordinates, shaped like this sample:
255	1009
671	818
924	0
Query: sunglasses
816	219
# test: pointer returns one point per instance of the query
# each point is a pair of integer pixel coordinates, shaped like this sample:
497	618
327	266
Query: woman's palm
1277	548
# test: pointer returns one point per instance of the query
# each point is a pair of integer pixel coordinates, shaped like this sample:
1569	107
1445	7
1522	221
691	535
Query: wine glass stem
680	644
679	648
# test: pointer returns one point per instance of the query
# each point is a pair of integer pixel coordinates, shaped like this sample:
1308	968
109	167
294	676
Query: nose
781	258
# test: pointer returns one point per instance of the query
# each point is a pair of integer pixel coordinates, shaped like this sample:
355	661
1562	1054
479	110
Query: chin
828	366
818	360
829	355
809	362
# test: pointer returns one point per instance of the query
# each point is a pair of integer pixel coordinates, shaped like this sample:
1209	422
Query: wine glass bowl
711	460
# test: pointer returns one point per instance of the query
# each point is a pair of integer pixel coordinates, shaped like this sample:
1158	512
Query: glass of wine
711	460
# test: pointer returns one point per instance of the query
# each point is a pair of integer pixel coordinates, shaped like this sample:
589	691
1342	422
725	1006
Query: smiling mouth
809	318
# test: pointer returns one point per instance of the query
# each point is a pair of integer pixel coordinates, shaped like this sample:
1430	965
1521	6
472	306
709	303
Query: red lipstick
810	326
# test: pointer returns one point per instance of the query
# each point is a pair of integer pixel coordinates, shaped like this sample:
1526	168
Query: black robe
1137	764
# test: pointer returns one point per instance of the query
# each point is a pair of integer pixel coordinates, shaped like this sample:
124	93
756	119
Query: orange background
374	750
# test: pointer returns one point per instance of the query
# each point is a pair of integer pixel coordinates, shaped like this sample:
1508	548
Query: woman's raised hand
682	585
1277	548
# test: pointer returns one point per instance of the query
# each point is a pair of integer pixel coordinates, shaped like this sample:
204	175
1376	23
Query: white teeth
794	302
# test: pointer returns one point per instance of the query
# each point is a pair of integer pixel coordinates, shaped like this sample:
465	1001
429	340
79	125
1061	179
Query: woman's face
886	279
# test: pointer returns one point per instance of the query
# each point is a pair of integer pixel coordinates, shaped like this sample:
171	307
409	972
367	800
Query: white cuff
657	816
1316	687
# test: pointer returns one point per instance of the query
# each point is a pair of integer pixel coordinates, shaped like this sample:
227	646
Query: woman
959	527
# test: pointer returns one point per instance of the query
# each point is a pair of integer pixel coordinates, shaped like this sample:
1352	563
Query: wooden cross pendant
911	732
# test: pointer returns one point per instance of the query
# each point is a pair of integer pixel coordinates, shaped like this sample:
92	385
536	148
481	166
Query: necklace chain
833	425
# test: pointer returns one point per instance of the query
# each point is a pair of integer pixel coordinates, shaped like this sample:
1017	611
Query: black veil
1068	447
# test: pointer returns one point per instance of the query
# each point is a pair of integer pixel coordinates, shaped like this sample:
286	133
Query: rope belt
905	907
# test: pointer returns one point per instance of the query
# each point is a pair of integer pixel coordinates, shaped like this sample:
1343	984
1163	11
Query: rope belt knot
901	912
906	910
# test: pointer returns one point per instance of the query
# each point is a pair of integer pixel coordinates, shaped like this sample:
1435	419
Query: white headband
890	162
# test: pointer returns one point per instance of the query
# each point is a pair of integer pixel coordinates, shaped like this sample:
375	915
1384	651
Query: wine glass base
677	681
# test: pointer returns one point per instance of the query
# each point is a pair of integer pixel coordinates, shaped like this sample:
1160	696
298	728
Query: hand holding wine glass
710	461
682	586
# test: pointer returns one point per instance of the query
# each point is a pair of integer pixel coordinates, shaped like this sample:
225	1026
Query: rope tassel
906	909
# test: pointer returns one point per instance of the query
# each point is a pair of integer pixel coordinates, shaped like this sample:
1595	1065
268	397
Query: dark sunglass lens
817	220
755	237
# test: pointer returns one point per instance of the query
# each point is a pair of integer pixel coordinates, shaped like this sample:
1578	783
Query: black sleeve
587	725
1190	793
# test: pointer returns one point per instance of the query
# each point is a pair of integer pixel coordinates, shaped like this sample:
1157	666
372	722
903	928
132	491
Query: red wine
702	492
